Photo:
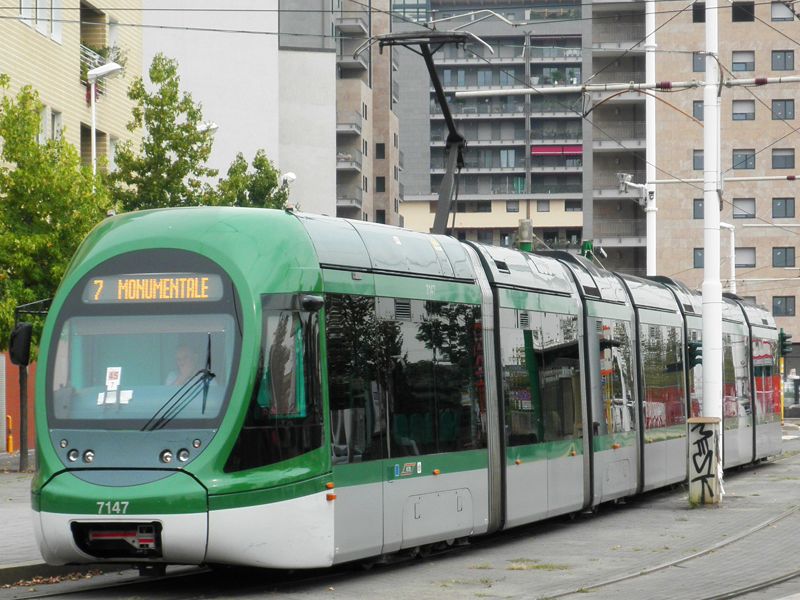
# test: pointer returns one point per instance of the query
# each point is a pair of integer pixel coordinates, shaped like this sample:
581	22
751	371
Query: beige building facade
53	44
757	140
368	157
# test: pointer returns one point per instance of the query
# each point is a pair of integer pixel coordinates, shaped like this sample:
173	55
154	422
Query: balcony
90	60
617	76
557	108
606	184
620	232
401	160
351	25
556	54
349	196
556	165
488	165
402	194
347	62
348	160
349	123
556	136
619	136
515	139
547	189
395	59
483	110
619	36
395	90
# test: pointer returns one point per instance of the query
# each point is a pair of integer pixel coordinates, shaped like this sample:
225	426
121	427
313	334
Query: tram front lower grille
118	540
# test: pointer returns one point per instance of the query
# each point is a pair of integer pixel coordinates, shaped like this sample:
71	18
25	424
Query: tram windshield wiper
183	396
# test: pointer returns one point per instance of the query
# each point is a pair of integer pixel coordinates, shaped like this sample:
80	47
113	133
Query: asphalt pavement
750	536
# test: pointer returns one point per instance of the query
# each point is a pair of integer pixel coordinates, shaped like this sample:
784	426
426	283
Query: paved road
751	537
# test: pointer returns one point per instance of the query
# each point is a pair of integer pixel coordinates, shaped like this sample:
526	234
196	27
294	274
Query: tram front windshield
147	340
142	371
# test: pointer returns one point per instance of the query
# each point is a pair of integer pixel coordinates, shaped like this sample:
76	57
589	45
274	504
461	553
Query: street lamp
93	76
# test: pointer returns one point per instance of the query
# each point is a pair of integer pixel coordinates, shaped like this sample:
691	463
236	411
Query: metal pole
712	288
92	89
650	135
23	418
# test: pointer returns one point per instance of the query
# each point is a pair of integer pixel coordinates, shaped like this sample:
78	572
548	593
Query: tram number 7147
112	508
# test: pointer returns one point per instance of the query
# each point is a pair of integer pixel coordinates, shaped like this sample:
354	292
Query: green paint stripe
545	451
607	442
384	470
268	496
342	282
530	300
426	289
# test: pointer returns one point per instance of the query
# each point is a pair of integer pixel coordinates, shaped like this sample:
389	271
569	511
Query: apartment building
51	46
368	157
533	155
758	139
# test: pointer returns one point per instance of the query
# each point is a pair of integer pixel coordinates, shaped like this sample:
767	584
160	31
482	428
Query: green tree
48	203
257	188
169	167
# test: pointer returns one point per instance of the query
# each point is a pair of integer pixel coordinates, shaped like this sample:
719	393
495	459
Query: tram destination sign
153	287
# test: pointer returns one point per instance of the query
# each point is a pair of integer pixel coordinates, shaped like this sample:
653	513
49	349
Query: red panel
573	149
547	150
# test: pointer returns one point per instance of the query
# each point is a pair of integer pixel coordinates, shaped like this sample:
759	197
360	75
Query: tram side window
284	418
767	380
541	377
737	409
360	350
617	414
661	349
435	397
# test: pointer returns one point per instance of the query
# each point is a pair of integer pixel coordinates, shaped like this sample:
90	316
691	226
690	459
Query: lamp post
93	76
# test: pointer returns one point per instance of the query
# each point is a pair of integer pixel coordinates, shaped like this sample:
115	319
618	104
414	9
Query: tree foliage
168	169
257	188
48	203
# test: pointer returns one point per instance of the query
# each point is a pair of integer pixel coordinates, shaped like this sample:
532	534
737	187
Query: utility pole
650	208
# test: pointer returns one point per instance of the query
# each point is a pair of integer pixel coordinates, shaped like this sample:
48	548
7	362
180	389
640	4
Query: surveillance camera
602	252
288	178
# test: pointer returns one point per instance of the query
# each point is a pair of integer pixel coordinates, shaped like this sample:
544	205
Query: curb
11	574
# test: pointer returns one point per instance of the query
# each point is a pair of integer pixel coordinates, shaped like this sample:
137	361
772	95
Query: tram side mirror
19	347
311	303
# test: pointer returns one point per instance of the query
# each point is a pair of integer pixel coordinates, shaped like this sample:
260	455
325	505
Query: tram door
615	440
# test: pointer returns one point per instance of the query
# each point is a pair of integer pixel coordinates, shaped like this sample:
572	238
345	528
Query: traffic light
784	343
694	352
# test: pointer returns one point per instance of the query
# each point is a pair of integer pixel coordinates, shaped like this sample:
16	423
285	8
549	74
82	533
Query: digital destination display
153	287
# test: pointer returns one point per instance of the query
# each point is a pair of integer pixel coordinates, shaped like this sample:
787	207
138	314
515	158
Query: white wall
233	75
308	128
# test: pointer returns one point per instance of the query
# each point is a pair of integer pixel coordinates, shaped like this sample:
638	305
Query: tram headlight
183	455
72	455
88	456
196	443
165	456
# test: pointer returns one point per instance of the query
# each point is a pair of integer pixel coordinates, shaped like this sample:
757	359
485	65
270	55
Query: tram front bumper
161	521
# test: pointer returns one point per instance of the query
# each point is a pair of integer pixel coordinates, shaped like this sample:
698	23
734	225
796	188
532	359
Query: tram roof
650	294
361	245
597	283
691	300
518	269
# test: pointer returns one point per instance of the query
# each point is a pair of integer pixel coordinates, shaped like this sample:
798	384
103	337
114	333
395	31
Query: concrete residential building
368	158
758	139
53	44
532	156
265	73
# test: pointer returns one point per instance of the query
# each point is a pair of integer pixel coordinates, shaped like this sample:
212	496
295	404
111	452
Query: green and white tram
266	388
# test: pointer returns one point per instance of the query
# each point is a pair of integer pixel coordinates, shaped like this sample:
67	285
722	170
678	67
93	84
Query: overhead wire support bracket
426	44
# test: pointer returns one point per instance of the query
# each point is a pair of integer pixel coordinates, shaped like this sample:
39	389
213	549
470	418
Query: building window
380	151
512	206
743	11
697	160
396	140
781	12
698	258
744	60
744	110
396	172
744	159
364	147
783	158
697	109
380	184
749	300
783	306
698	62
507	158
56	124
745	257
782	110
783	60
485	236
699	12
783	256
380	216
783	208
573	205
484	77
744	208
364	182
697	208
483	206
364	110
543	206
